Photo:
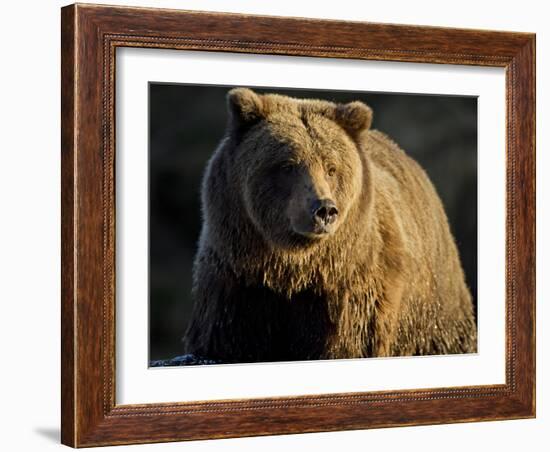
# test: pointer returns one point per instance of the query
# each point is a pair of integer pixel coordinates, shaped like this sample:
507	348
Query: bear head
296	164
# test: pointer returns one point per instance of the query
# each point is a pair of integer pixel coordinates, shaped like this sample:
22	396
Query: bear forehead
279	106
306	129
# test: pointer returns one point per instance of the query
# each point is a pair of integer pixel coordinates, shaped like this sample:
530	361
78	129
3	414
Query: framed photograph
281	225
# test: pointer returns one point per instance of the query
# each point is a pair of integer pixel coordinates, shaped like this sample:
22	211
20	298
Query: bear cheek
266	205
347	190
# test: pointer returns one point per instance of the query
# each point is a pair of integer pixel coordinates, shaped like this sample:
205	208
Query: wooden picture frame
90	36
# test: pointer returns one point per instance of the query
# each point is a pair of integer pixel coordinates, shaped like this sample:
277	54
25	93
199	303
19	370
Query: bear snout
324	212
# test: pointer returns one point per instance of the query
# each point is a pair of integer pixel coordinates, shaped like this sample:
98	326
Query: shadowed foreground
183	360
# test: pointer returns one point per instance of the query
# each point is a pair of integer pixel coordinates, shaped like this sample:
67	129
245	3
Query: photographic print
294	225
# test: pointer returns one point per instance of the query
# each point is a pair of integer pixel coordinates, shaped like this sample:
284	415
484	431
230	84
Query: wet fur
388	282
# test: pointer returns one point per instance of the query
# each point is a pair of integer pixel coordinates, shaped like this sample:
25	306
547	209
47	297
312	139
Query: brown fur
386	279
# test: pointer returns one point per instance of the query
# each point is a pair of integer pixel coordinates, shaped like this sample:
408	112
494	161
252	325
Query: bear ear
245	106
354	117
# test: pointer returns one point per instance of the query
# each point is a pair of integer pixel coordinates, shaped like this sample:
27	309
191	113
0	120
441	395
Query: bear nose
324	211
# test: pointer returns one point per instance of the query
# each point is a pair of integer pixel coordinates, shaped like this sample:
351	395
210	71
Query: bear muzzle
324	214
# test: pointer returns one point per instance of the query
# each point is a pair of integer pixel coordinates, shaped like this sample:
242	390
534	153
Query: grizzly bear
321	239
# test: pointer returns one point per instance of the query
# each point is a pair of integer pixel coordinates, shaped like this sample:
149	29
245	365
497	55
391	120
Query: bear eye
331	171
286	167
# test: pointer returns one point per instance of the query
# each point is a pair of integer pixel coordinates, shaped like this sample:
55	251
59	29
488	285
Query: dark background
186	123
